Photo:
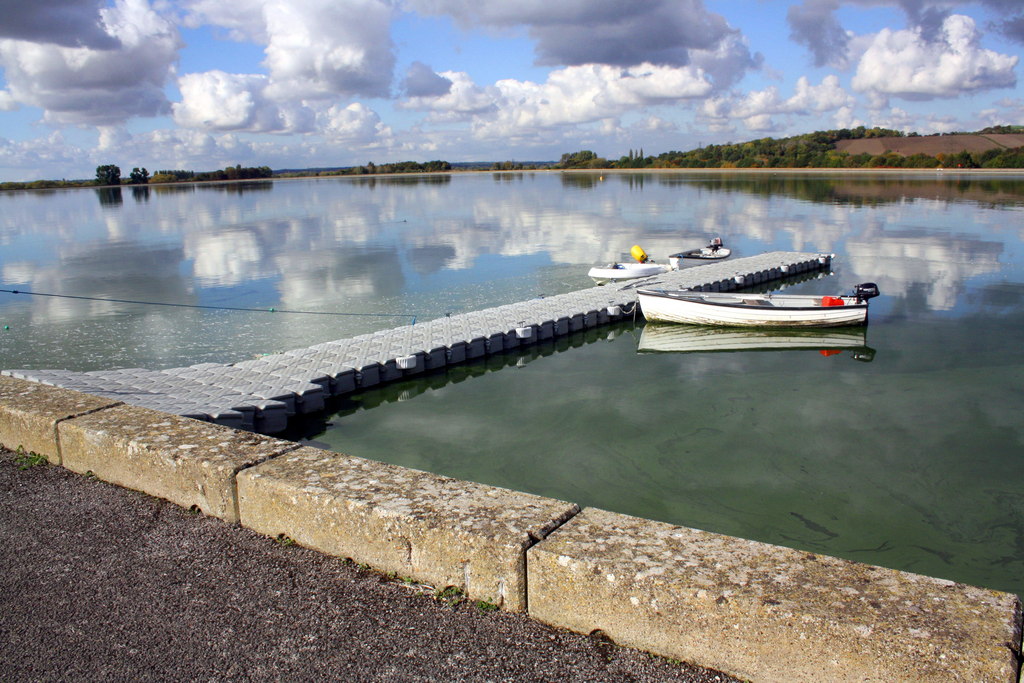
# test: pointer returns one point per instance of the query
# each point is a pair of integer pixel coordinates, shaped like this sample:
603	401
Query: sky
204	84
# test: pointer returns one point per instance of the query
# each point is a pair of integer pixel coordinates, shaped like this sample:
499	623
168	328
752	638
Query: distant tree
139	176
920	160
960	160
1001	130
108	175
582	159
169	176
438	165
1007	158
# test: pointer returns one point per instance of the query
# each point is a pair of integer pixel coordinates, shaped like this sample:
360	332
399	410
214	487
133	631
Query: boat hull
749	310
626	271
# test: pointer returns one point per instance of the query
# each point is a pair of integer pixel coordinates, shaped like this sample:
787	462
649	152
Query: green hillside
997	147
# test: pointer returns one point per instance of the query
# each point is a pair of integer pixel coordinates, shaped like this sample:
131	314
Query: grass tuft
486	606
28	459
451	595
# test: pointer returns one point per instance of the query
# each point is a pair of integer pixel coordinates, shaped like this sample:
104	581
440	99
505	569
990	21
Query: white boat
626	271
659	338
756	310
643	267
713	252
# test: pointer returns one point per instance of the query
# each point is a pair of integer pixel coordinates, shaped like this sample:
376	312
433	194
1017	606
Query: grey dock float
262	394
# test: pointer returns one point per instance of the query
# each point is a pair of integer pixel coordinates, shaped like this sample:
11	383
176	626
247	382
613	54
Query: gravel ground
99	582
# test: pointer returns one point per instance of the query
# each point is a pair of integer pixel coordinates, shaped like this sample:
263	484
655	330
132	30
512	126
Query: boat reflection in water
671	338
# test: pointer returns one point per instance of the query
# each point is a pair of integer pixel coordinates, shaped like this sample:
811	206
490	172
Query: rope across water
217	308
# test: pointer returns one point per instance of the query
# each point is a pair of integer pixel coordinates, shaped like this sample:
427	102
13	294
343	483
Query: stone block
185	461
430	528
30	412
763	612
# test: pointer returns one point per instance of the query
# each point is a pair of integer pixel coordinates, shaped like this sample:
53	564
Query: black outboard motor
865	291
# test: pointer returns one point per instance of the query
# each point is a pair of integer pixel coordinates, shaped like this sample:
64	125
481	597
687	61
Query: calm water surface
903	450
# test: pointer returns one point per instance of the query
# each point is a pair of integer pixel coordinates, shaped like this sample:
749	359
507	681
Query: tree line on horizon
811	150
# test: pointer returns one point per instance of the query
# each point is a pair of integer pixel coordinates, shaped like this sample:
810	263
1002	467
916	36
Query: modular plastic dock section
262	394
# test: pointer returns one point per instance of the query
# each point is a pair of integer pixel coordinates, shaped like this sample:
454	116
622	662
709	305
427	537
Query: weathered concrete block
185	461
435	529
764	612
29	413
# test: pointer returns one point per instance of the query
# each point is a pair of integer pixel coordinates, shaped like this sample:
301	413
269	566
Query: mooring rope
215	308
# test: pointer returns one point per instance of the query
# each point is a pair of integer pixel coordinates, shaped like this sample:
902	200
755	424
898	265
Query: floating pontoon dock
262	394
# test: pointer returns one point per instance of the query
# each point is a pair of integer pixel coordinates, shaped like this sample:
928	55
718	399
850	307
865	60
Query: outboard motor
865	291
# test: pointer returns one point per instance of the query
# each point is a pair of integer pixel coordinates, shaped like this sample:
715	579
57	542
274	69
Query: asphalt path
100	582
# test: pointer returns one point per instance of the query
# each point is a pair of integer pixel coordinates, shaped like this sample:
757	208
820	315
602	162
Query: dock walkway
263	394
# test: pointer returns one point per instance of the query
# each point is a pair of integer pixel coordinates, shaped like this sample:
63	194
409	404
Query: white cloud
112	138
585	94
178	149
829	96
1007	111
7	101
574	95
760	123
83	85
844	118
757	107
656	124
355	124
717	107
46	157
905	64
243	20
237	102
314	48
463	100
326	47
896	118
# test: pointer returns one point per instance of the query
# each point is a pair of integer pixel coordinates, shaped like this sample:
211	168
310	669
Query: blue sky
203	84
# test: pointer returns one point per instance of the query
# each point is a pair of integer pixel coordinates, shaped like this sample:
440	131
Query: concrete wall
434	529
765	612
750	609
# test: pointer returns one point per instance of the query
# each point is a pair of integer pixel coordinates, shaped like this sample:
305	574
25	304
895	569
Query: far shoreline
827	171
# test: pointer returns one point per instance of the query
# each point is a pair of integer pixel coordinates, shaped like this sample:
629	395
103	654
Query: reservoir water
900	445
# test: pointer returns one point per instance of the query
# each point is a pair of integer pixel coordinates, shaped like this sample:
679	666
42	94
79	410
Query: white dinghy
713	252
757	310
643	267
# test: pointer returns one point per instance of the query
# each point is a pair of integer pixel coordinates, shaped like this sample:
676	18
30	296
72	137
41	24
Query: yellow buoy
638	253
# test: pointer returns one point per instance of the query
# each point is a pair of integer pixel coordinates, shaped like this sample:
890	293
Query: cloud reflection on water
351	244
